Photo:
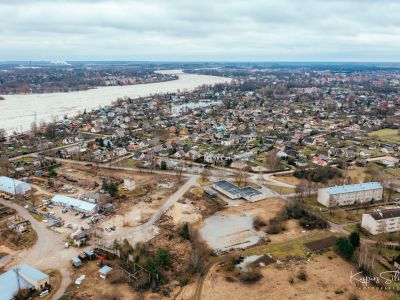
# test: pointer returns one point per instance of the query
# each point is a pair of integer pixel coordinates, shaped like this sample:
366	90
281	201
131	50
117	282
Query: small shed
104	271
76	262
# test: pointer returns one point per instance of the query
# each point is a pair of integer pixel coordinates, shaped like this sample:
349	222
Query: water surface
17	112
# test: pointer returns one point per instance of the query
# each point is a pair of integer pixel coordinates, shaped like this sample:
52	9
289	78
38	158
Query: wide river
17	112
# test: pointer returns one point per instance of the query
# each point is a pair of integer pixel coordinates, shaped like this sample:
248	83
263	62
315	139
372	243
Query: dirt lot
266	209
193	207
327	279
93	287
12	239
289	179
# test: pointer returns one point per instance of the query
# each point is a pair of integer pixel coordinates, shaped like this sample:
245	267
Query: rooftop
234	189
76	203
386	214
353	188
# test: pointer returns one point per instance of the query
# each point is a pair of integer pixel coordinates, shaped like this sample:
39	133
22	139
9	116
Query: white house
381	221
129	183
350	194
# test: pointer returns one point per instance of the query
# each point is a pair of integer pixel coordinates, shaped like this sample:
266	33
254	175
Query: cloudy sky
227	30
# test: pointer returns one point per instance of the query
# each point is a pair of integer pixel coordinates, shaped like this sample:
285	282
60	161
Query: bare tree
200	252
3	134
179	171
5	166
272	160
205	175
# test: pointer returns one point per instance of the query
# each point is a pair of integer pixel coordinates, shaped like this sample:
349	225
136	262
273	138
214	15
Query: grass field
280	189
294	247
386	135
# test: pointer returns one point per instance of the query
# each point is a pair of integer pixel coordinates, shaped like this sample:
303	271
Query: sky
206	30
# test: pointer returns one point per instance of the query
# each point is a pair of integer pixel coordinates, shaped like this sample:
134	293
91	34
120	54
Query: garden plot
223	233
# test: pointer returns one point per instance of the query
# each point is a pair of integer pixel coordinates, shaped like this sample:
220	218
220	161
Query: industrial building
381	221
23	277
13	186
234	192
76	204
350	194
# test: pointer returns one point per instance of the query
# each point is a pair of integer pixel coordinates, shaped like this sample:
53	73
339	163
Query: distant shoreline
87	89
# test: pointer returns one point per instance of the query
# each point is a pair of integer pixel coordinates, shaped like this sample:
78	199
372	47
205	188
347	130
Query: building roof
76	203
386	214
13	186
353	188
105	269
233	189
250	192
9	281
32	273
229	187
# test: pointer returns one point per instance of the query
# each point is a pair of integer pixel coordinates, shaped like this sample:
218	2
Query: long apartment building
381	221
350	194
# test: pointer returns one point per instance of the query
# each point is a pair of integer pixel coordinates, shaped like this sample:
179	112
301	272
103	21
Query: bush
258	223
23	294
116	278
163	258
353	296
319	174
275	228
251	276
306	220
185	232
344	247
302	275
354	239
339	291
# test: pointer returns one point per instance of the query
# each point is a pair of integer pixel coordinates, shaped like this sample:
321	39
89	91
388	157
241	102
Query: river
17	112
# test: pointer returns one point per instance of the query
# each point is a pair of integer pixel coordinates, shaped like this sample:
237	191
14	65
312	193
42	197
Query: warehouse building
350	194
234	192
381	221
76	204
24	277
14	187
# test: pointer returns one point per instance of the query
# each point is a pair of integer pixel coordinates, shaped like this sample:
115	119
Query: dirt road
47	253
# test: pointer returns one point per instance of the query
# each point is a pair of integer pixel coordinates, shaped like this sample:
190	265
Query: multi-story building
350	194
381	221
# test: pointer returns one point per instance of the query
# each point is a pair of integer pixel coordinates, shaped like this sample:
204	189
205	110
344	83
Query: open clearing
386	135
327	279
223	233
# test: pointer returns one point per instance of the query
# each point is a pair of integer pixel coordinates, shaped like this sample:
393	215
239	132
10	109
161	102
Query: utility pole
16	270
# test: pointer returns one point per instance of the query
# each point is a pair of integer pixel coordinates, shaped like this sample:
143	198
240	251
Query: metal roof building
29	277
13	187
76	204
235	192
350	194
351	188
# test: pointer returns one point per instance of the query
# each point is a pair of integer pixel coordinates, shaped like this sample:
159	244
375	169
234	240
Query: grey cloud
200	30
